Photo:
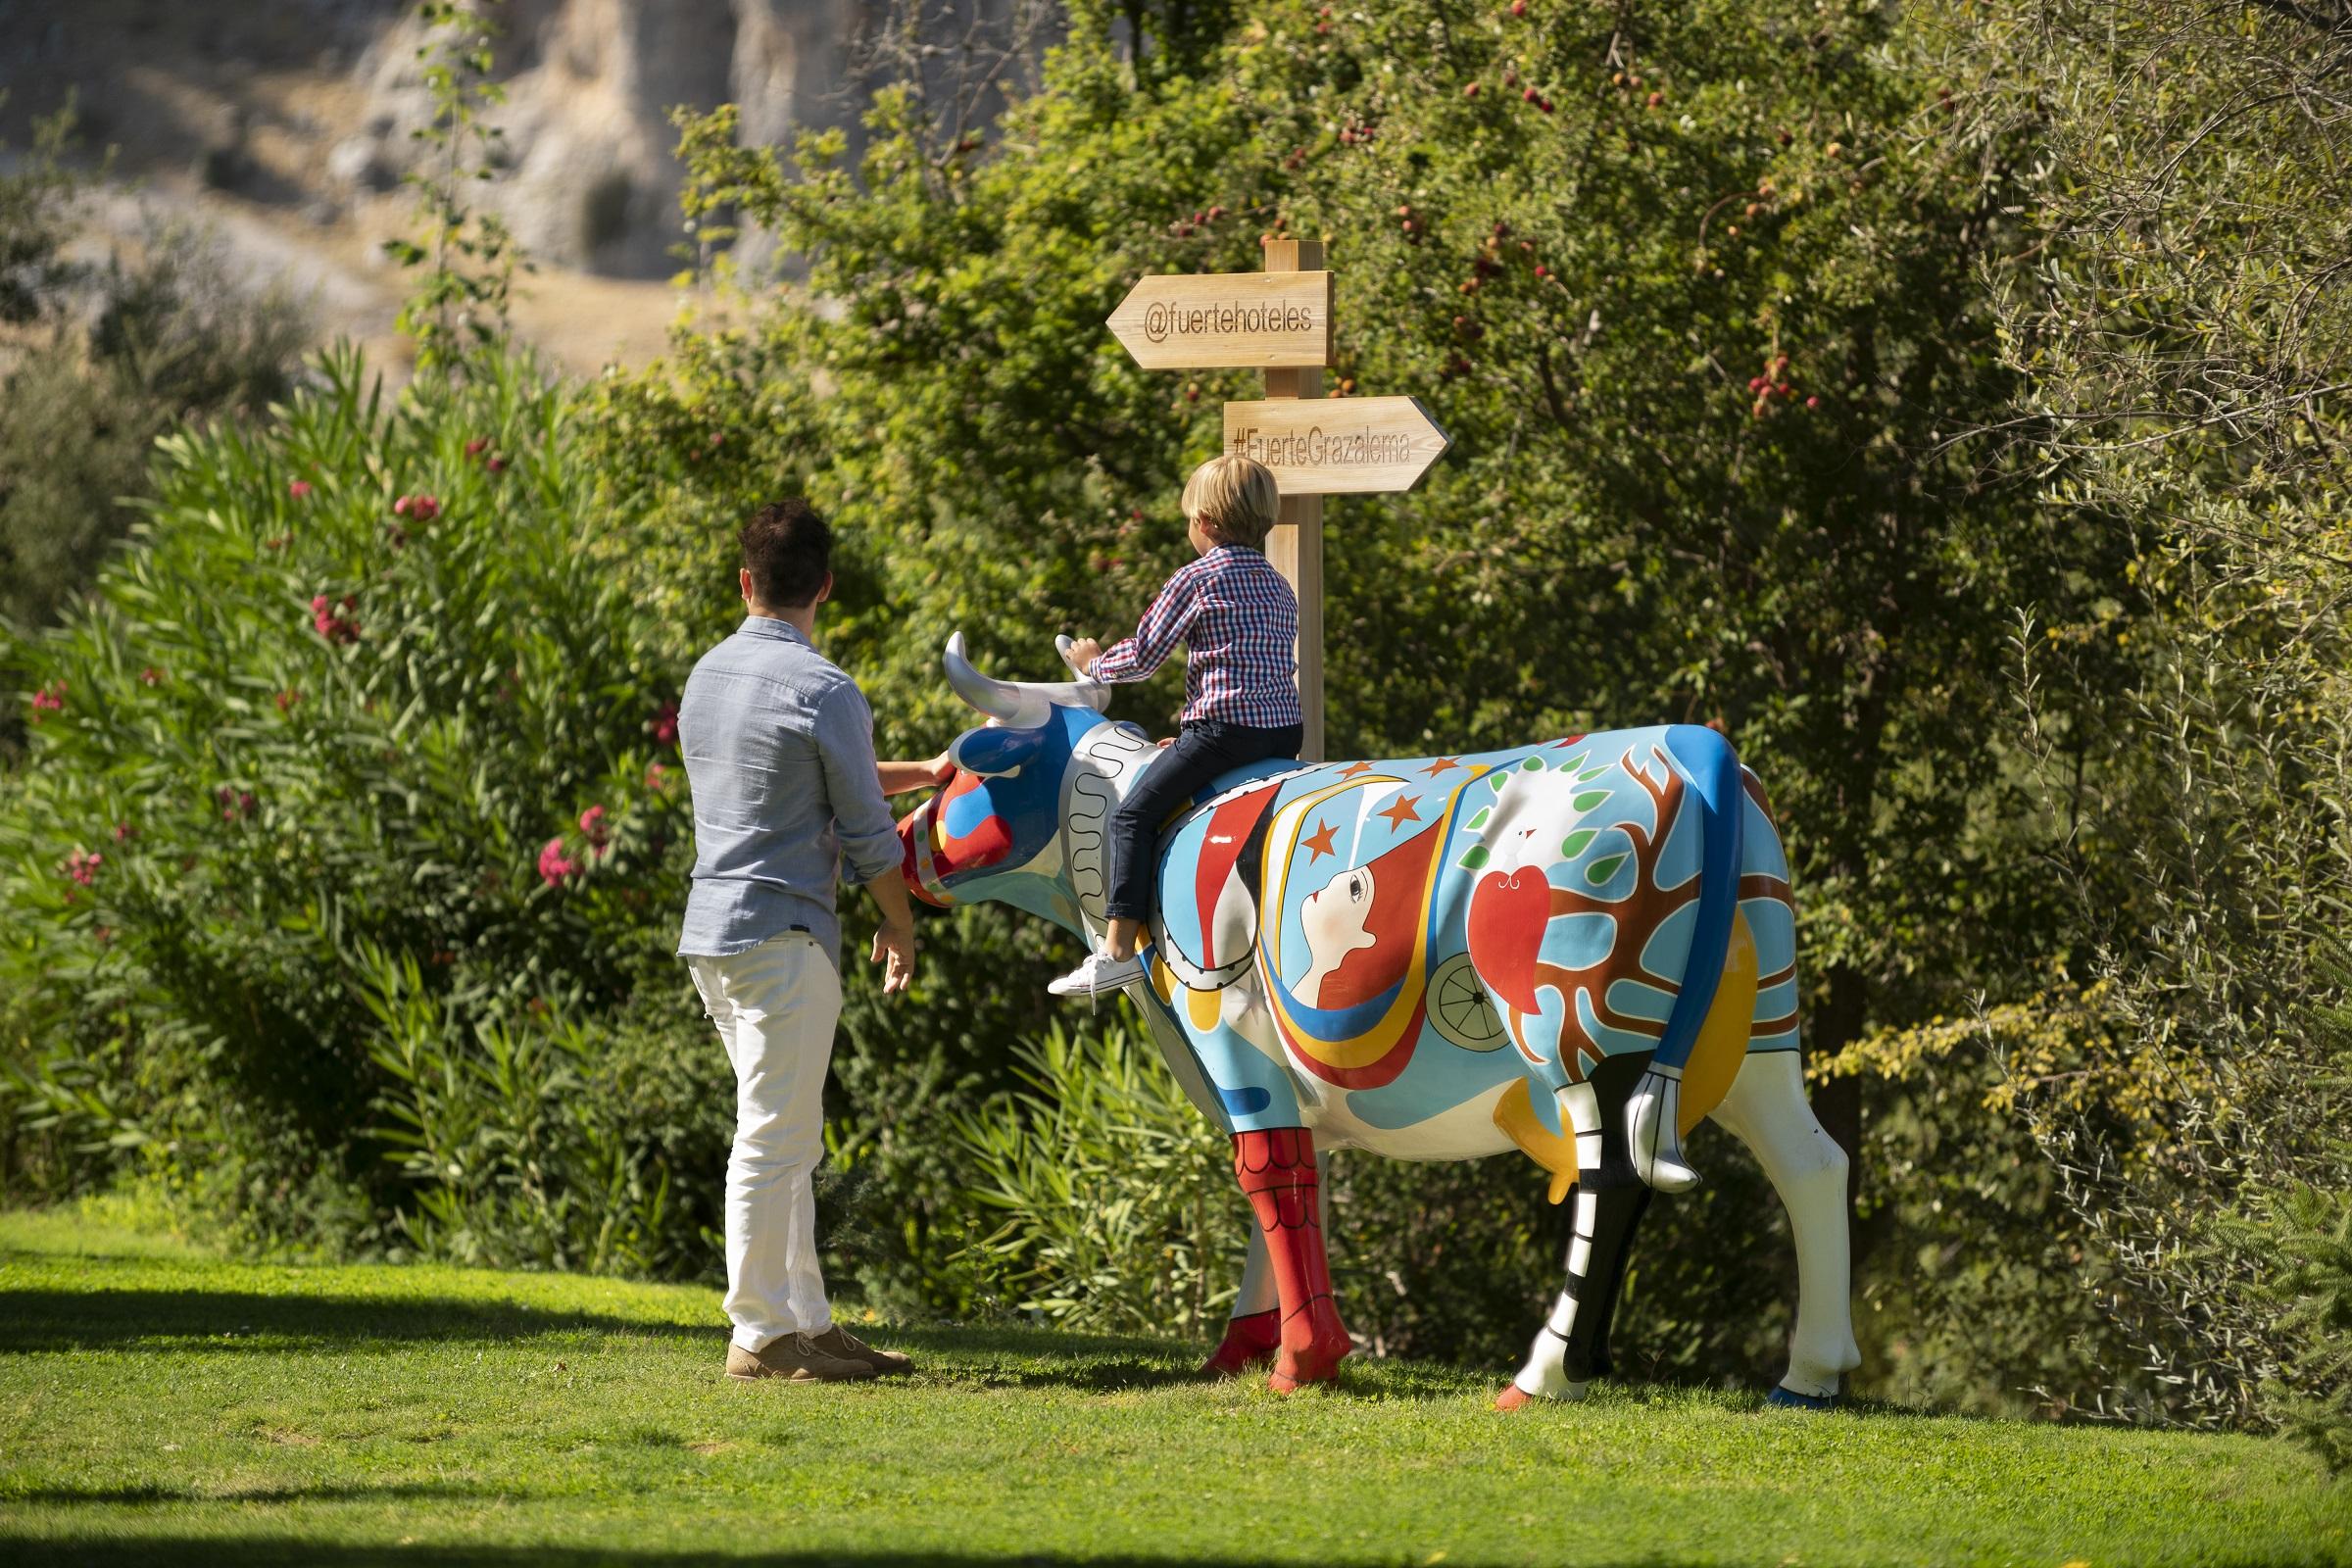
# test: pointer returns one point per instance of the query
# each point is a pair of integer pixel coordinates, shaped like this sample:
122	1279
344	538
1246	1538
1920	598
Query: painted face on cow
1359	925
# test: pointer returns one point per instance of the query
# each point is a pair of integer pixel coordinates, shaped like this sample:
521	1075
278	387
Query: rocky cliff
590	85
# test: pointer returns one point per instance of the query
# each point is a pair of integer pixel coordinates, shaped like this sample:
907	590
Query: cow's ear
993	753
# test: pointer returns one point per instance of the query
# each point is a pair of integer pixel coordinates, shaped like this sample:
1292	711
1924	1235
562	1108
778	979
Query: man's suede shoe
841	1343
794	1358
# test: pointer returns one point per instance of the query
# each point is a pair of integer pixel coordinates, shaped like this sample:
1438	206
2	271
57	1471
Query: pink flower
152	676
335	628
235	805
50	699
124	832
592	823
666	724
495	465
475	447
287	699
82	866
555	866
400	507
423	507
657	777
299	489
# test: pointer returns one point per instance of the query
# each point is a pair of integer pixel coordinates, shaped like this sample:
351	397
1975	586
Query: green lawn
156	1403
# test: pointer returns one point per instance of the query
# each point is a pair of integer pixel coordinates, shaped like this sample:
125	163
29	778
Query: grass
159	1403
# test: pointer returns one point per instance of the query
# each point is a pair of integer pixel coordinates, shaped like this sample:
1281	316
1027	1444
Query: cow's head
994	830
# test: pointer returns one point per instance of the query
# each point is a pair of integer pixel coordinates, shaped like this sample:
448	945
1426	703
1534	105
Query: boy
1239	622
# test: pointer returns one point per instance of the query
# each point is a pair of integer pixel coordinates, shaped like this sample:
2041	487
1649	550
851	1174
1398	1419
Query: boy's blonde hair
1234	500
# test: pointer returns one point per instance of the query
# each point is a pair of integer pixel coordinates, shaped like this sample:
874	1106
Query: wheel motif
1460	1006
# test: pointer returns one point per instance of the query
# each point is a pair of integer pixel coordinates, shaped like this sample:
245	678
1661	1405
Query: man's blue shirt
779	748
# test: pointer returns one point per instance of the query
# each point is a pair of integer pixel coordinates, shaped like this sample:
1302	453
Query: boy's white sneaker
1100	972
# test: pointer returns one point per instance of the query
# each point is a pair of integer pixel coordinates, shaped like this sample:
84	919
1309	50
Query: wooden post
1296	546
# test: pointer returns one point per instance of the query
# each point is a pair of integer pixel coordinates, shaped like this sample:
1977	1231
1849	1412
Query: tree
1693	288
2183	330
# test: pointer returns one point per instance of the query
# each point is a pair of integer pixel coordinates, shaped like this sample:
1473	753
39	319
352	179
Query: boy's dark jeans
1204	749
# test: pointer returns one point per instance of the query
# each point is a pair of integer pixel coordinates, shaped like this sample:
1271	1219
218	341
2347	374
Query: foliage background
1796	380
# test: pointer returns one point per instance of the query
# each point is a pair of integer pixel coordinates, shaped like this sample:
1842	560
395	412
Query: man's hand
1084	651
900	777
893	950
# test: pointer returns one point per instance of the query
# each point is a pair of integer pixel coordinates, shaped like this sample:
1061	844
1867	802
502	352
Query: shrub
347	699
542	1138
1120	1209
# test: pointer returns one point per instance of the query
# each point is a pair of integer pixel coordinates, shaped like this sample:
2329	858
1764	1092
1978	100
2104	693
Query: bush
357	698
1121	1211
536	1139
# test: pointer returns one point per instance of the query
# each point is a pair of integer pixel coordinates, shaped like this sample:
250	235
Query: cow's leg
1766	1109
1572	1348
1277	1171
1224	1077
1284	1307
1254	1331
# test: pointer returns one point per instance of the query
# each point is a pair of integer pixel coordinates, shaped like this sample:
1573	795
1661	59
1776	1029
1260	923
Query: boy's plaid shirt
1239	622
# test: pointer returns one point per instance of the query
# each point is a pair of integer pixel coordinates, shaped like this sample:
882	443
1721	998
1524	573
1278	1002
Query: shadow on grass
1004	1357
239	1320
155	1492
250	1552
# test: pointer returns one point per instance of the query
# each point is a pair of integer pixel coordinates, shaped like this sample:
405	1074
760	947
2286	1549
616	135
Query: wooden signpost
1205	320
1348	446
1279	321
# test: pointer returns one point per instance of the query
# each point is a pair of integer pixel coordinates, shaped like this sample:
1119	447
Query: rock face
590	84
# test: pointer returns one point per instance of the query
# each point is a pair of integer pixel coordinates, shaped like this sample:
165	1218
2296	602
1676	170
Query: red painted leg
1277	1172
1249	1339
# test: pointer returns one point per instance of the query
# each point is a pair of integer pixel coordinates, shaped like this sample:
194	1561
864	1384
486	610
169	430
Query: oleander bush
356	697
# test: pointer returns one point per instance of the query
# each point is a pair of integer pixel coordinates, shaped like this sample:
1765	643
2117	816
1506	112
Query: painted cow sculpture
1578	949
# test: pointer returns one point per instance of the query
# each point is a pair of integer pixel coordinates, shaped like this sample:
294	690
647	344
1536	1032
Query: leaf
1574	844
1600	871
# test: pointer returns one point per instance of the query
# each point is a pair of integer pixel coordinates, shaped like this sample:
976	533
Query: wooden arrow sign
1204	321
1336	446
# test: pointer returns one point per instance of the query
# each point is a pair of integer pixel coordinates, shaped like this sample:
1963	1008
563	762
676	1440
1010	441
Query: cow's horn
1017	704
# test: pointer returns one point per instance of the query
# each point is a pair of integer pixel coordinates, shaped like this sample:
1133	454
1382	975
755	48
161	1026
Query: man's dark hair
788	549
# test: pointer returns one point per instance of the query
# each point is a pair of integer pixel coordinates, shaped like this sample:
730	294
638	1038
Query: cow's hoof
1513	1397
1249	1341
1281	1382
1790	1400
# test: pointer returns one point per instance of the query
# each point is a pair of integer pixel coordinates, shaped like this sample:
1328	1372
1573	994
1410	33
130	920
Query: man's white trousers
776	1008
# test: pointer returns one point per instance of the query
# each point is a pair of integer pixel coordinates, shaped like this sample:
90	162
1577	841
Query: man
780	752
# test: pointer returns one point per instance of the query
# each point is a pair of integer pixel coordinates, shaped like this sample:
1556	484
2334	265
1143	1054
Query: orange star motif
1438	767
1401	812
1354	768
1319	845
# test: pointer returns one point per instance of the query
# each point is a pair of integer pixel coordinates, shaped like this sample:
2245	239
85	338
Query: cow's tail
1653	1113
